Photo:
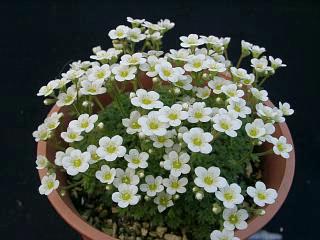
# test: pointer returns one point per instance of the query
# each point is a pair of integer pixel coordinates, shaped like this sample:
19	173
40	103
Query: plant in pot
143	144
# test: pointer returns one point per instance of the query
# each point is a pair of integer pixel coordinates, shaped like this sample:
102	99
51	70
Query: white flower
195	63
198	140
42	162
48	89
136	160
65	99
153	36
184	82
163	141
177	163
84	123
246	47
260	65
231	91
230	195
110	148
153	53
217	83
198	112
285	109
131	123
127	177
99	72
92	87
149	67
146	100
152	26
76	162
261	95
224	235
106	55
42	133
175	185
123	72
167	72
166	24
135	35
135	21
203	92
265	111
73	74
249	79
163	200
172	115
126	195
234	218
134	59
255	129
94	157
281	147
239	73
239	107
151	125
48	184
71	136
257	51
152	185
226	122
261	195
276	63
180	55
106	174
209	179
119	33
214	66
191	41
60	155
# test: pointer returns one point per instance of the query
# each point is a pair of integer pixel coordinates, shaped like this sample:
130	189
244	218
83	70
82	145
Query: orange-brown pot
277	173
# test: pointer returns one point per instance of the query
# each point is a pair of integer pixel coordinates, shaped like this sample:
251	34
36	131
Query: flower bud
218	100
260	212
140	173
216	209
141	135
100	125
180	135
162	164
108	187
205	76
147	198
155	79
62	192
177	90
185	106
132	95
150	151
48	101
195	189
176	197
85	103
199	195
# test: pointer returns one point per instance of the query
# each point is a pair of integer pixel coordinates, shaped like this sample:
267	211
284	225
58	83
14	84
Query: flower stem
72	185
262	81
270	151
96	99
116	97
240	60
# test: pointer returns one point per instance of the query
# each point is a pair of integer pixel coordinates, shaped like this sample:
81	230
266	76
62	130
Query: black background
38	38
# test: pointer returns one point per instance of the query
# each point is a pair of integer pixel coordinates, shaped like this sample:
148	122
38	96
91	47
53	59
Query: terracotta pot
277	173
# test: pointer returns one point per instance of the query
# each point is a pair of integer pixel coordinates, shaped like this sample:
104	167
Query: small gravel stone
172	237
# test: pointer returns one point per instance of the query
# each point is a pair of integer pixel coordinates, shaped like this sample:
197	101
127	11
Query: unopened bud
150	151
180	135
108	187
100	125
177	90
176	196
216	209
140	174
62	192
132	95
205	76
48	101
218	100
195	189
141	135
162	164
185	106
199	195
155	79
147	198
260	212
85	103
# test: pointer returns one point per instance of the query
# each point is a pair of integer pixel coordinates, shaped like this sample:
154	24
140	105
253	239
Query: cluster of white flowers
188	127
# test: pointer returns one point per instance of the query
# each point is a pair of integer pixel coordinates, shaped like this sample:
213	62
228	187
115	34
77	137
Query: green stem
270	151
96	99
226	54
262	81
72	185
240	60
116	97
76	109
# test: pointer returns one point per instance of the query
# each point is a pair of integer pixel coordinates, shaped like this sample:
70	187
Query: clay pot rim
70	215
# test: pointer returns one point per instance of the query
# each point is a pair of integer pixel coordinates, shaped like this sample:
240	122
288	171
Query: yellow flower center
153	186
163	201
77	163
197	64
95	157
253	132
225	125
84	124
166	73
208	180
228	196
135	125
107	176
176	164
173	116
72	135
154	125
111	149
126	180
126	196
135	160
261	196
146	101
50	184
175	185
197	141
100	74
233	219
198	114
124	74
